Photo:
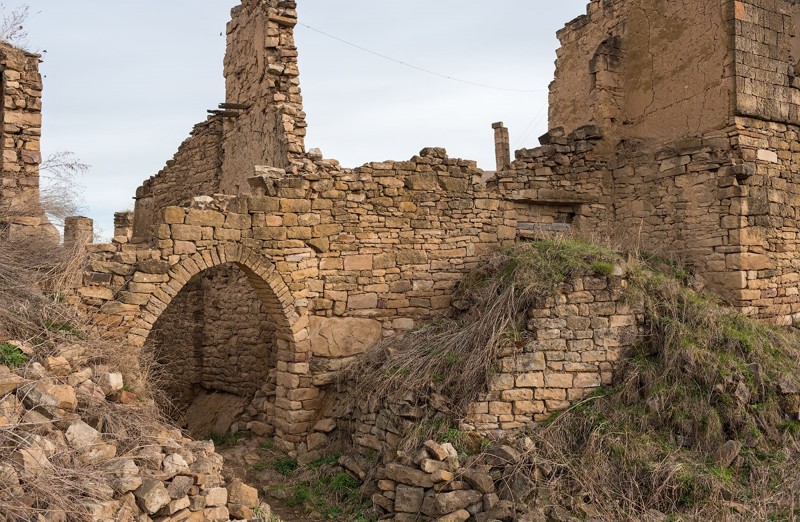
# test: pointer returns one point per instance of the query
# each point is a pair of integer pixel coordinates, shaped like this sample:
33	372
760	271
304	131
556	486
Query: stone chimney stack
502	145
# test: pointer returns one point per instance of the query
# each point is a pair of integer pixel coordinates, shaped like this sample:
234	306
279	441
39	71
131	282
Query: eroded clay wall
767	57
655	70
263	87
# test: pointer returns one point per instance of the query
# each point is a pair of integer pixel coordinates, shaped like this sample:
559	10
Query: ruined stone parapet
78	231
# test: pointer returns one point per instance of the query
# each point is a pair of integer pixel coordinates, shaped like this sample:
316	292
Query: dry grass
703	375
449	361
35	277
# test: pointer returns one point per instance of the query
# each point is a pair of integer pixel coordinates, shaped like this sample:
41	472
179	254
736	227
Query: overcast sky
125	80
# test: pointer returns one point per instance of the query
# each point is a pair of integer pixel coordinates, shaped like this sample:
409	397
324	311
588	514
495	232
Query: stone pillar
502	146
21	213
78	230
123	226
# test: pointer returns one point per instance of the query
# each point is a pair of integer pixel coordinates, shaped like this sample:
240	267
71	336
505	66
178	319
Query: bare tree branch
61	192
12	25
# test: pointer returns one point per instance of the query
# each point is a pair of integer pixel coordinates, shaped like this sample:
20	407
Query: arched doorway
214	354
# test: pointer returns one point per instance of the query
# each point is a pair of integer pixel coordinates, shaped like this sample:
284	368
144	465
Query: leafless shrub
36	280
12	25
61	190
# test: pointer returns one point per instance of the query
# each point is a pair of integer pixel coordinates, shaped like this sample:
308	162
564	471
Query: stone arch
291	420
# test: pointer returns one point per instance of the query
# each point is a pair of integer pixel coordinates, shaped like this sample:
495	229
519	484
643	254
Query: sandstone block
345	337
409	476
241	494
152	495
408	499
362	301
216	497
440	504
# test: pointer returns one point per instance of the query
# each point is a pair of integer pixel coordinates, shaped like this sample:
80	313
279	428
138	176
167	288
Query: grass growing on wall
703	375
452	357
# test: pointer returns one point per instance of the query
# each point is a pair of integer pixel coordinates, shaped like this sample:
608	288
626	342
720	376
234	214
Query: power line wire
422	69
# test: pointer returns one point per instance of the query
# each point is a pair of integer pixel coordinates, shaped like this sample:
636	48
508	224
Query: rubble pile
63	456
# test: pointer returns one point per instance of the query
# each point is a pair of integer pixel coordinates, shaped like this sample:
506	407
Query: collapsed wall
573	344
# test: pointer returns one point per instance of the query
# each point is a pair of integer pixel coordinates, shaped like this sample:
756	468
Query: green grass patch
285	466
327	460
222	440
11	356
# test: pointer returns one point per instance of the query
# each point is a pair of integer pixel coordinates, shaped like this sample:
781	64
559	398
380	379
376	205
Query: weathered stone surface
80	435
408	499
45	394
439	504
727	453
241	494
333	337
152	495
216	497
408	475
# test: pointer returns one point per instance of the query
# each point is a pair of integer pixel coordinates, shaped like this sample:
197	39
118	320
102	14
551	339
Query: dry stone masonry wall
670	126
575	341
21	215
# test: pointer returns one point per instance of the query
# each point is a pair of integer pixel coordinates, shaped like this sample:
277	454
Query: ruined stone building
257	269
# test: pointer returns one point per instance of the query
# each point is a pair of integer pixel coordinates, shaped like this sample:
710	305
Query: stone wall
261	121
263	80
196	168
763	221
573	344
214	337
767	54
645	70
21	214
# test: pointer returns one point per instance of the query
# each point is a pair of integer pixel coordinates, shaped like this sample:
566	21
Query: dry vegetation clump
701	423
449	360
48	477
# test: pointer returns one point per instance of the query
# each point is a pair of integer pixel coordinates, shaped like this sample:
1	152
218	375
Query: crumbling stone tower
21	214
261	122
698	105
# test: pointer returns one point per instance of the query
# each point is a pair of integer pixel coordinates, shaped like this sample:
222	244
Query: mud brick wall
653	70
767	54
574	343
